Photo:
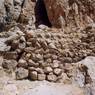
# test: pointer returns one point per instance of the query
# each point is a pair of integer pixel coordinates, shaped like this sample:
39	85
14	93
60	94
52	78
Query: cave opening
41	14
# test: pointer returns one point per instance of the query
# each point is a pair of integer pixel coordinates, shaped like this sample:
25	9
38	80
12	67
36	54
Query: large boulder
72	12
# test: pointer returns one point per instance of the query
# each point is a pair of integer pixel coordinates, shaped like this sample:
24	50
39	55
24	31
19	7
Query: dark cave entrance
41	14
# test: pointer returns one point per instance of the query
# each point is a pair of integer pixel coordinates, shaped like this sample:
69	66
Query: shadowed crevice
41	14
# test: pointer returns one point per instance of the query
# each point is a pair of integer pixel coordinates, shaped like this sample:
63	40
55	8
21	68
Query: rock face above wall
70	12
12	11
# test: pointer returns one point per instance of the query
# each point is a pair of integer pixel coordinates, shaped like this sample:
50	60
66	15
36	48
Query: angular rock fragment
21	73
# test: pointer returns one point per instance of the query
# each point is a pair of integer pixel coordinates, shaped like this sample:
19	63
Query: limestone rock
21	73
40	70
55	64
27	12
48	69
10	64
89	62
32	63
51	77
33	75
22	63
1	60
41	77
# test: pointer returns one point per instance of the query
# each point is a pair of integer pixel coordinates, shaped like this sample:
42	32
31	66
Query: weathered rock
89	62
40	70
32	63
31	69
27	12
11	55
41	77
54	57
33	75
42	27
1	60
55	64
22	45
57	71
63	12
16	11
3	46
21	73
22	63
52	46
63	78
10	64
51	77
48	69
39	57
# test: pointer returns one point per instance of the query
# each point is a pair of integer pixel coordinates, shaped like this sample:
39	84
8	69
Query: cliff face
70	12
12	11
58	13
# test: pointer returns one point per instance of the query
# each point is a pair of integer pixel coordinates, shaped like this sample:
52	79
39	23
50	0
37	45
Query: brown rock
33	75
32	63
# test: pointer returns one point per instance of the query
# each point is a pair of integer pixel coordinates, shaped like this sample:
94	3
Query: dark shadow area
2	26
41	14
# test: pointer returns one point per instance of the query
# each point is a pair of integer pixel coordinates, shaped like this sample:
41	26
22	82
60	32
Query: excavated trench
41	14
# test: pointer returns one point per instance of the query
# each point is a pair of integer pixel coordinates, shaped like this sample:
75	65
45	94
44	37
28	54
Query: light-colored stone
43	27
21	73
51	77
55	64
48	69
22	63
32	63
59	12
89	62
41	77
1	60
40	70
57	71
52	46
10	64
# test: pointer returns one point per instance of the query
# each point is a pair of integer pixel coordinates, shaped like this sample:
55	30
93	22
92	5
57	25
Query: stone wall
48	54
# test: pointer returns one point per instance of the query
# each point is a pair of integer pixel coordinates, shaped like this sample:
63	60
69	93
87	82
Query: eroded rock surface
70	12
